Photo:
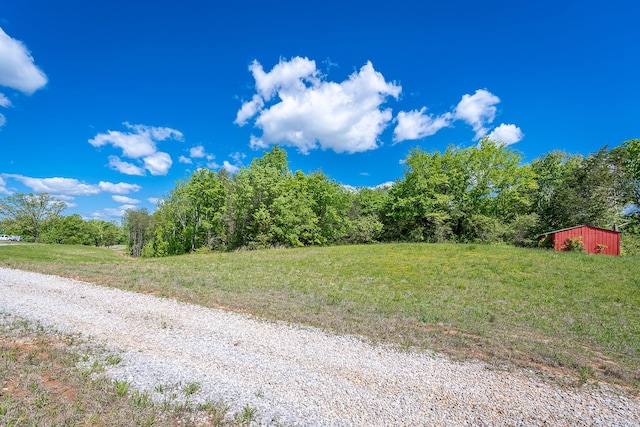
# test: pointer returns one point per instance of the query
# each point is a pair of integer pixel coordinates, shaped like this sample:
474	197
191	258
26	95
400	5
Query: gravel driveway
298	375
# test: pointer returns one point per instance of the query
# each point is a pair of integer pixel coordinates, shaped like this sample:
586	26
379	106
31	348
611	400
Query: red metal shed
595	240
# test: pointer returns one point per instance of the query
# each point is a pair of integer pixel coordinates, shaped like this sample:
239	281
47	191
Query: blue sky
105	104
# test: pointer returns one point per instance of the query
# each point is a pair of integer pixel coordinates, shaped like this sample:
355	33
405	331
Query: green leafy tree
30	213
251	200
427	203
140	227
551	170
192	215
69	230
594	190
632	166
498	184
291	220
105	233
330	203
367	206
467	194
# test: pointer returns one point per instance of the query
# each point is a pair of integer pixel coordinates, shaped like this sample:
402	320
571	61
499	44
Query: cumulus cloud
67	188
506	133
125	200
417	124
139	144
387	184
4	101
238	157
197	152
17	68
248	110
119	188
126	168
56	185
3	120
286	75
155	200
3	187
477	110
119	211
158	163
232	169
294	106
200	157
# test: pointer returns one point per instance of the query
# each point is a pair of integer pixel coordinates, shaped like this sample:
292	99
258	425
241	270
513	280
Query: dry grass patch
49	379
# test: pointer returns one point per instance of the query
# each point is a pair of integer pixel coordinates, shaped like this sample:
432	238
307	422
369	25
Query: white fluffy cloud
249	109
200	157
140	144
158	163
416	124
126	168
197	152
506	133
119	188
119	211
305	110
125	199
477	110
17	69
67	188
232	169
4	101
3	187
56	185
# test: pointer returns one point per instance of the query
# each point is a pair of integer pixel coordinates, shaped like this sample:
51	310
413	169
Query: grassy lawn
573	314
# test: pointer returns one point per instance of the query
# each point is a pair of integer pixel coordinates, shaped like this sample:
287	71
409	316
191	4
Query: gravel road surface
298	375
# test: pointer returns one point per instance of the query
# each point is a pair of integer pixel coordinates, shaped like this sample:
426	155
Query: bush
521	230
546	243
573	244
630	244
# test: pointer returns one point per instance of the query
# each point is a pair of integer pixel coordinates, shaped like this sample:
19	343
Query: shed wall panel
591	238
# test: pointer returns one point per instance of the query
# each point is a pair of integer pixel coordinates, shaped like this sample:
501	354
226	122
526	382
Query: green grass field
572	314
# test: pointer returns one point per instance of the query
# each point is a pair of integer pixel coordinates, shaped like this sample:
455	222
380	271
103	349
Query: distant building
595	240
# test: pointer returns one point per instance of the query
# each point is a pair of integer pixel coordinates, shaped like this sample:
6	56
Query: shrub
630	244
574	244
546	243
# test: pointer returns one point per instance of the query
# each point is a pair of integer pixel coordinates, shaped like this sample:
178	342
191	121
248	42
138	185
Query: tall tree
105	233
69	230
594	190
632	166
31	213
251	199
139	225
365	215
427	203
469	194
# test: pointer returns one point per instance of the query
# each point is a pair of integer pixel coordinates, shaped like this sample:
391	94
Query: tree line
483	193
38	218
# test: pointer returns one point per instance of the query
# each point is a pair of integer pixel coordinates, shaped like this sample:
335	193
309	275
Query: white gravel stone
297	375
